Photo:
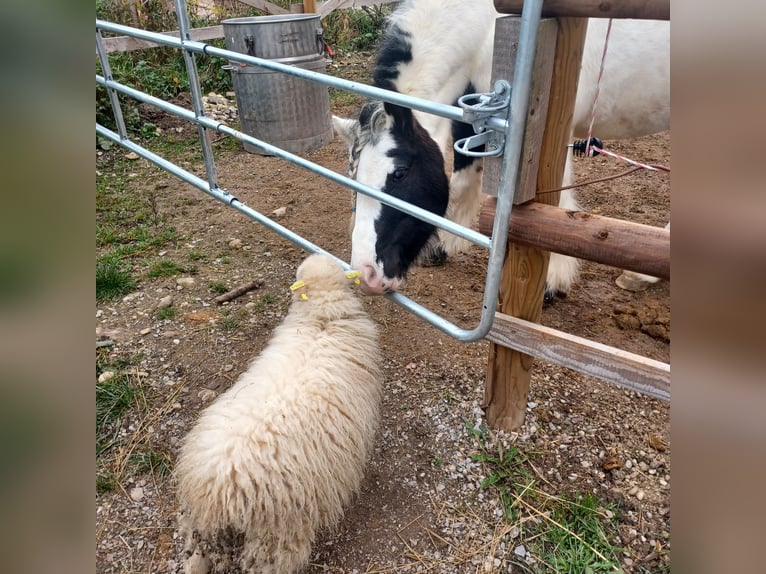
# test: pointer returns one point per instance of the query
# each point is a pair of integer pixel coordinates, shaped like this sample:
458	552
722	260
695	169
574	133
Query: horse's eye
399	173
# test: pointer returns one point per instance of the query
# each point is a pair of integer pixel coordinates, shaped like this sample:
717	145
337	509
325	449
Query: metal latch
477	109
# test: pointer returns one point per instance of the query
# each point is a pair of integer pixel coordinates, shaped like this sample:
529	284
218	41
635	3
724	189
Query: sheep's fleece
282	452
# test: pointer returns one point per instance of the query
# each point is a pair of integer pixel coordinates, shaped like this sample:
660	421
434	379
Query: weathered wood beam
639	9
128	43
325	8
622	368
622	244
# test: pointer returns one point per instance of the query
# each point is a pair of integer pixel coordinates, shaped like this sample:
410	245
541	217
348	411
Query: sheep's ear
345	128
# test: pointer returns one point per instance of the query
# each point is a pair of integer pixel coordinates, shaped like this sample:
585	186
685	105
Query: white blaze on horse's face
391	152
373	168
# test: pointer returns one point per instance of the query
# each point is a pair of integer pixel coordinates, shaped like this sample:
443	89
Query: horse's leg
465	203
562	269
632	281
465	196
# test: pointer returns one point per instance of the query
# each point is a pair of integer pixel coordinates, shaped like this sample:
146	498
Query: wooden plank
267	7
326	8
622	368
128	43
309	6
506	39
523	278
621	244
639	9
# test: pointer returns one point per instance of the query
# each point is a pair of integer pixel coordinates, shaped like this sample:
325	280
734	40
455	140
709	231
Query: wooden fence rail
129	44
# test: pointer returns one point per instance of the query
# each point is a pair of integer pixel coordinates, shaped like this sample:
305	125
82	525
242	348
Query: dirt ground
421	507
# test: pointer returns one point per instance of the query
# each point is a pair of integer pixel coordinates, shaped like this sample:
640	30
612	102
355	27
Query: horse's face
391	151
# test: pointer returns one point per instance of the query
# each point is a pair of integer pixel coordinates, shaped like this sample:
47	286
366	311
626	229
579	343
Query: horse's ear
402	116
345	128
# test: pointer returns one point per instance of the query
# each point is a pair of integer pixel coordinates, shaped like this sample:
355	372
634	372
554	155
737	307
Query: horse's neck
446	57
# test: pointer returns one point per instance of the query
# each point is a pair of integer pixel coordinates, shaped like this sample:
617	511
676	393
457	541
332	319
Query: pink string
630	161
598	88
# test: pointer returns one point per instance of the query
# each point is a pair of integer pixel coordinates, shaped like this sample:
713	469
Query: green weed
112	278
217	286
151	461
165	268
166	313
262	302
575	537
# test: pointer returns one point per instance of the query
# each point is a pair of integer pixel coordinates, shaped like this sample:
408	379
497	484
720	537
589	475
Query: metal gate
507	122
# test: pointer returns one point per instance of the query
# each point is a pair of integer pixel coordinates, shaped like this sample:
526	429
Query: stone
520	551
235	243
165	302
279	212
206	395
185	282
105	376
136	493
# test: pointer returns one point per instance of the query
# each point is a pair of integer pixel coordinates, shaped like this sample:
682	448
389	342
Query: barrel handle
320	41
250	45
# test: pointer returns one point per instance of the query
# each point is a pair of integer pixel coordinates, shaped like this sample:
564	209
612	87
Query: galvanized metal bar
114	100
216	193
196	93
469	234
443	110
514	143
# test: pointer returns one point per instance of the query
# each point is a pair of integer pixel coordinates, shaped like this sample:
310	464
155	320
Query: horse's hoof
435	257
550	296
630	281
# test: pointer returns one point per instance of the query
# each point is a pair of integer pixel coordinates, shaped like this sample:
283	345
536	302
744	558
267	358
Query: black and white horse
439	50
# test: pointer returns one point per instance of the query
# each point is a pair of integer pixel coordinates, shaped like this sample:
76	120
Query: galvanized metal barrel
288	112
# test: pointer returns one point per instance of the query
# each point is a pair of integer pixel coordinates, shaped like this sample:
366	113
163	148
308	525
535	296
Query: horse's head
392	152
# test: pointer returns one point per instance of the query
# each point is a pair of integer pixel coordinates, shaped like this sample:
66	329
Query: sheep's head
321	273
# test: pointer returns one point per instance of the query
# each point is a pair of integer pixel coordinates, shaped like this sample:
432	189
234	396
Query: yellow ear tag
299	285
355	276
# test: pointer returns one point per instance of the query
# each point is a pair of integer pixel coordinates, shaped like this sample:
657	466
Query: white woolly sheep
282	452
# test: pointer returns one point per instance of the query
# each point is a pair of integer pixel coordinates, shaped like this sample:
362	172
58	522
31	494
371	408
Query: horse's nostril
369	274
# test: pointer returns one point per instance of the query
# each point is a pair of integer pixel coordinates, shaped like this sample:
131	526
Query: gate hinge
477	109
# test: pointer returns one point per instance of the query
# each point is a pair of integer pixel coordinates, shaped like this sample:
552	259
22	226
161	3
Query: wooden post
309	6
523	281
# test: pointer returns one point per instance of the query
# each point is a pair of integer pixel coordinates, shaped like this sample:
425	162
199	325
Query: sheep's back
288	442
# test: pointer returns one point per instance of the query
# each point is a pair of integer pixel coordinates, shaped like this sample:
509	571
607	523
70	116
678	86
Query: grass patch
165	268
217	286
264	301
166	313
151	461
575	539
112	278
572	533
105	482
197	256
113	397
229	324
